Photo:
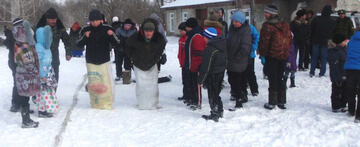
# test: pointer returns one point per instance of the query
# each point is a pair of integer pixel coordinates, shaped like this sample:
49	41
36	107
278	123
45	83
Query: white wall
349	5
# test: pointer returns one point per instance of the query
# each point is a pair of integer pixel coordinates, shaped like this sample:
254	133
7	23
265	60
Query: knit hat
341	12
191	22
128	21
17	21
238	16
182	26
95	15
272	9
210	33
301	12
51	14
338	38
149	26
309	11
213	16
115	19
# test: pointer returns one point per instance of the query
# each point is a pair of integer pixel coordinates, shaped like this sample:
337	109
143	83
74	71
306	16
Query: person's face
149	34
267	15
236	24
220	14
308	15
303	17
95	23
206	39
182	32
188	29
127	27
51	22
342	16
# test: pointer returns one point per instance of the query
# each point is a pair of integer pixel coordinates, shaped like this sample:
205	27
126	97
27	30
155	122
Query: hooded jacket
145	54
160	27
124	34
98	43
255	37
59	32
44	40
74	36
300	28
194	46
336	59
238	47
275	38
353	52
214	59
322	27
291	59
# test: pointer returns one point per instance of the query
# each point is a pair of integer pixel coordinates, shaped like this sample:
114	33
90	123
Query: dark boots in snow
45	114
238	105
285	80
292	80
211	117
14	108
127	77
282	99
273	100
26	121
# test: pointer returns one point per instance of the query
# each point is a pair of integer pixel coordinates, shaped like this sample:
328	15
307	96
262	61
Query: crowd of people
205	53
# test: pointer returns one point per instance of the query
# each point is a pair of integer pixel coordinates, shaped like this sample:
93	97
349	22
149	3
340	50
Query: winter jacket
215	24
336	59
225	29
255	37
194	46
353	52
344	26
44	39
181	53
123	35
59	32
74	36
145	54
291	59
9	42
238	47
300	28
275	39
116	25
214	59
321	28
98	43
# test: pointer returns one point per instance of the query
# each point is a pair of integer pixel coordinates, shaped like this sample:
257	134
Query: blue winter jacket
353	52
44	40
255	37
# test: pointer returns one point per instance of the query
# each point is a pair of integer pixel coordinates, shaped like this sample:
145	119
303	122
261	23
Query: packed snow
307	121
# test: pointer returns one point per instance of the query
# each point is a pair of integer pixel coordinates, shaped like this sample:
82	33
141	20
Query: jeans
319	51
301	48
353	85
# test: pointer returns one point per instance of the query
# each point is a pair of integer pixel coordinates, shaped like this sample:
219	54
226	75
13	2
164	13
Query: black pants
235	80
353	85
338	95
183	78
16	98
250	78
275	71
300	50
193	92
307	59
120	58
214	88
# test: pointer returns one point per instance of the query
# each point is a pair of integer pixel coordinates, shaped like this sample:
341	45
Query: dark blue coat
336	59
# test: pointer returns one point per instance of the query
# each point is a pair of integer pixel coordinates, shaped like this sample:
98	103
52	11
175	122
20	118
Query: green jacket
59	32
344	26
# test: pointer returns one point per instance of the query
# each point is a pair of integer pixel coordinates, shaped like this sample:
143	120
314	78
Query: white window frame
184	16
172	22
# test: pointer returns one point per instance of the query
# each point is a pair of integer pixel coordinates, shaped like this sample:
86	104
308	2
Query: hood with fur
44	36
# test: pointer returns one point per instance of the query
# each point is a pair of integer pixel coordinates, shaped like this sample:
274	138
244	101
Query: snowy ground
308	121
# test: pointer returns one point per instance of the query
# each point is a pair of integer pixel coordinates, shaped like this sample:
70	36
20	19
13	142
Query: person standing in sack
274	45
124	32
46	100
97	37
211	71
145	48
27	70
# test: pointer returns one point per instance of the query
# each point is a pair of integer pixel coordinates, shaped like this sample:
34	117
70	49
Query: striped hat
271	9
17	21
210	33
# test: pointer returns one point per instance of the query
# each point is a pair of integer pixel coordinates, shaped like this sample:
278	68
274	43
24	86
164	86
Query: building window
172	22
184	16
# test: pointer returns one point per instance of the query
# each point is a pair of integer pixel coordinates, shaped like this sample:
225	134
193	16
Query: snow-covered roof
182	3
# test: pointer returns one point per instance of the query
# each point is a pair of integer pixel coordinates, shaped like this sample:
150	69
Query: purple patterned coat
291	59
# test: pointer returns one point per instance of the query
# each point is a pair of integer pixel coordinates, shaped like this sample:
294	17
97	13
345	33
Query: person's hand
87	34
68	57
110	32
288	64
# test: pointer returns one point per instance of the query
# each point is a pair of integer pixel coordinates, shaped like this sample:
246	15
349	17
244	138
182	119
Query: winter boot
195	107
26	121
238	105
273	100
282	99
181	98
211	117
14	108
45	114
127	77
245	99
292	80
118	78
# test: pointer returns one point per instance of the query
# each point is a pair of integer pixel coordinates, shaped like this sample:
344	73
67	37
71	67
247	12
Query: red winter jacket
181	54
197	45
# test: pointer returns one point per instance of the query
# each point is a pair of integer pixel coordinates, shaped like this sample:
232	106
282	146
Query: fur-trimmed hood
215	24
42	22
157	35
331	44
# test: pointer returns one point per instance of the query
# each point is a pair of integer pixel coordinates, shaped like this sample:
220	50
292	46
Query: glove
262	60
288	64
